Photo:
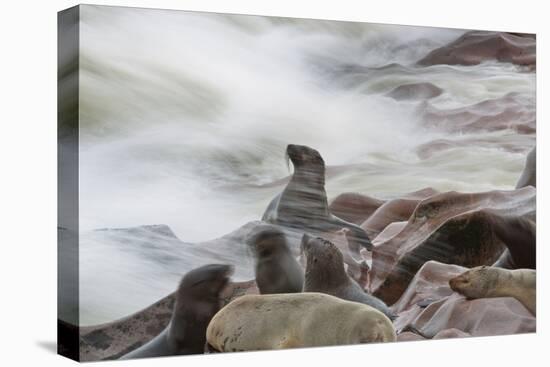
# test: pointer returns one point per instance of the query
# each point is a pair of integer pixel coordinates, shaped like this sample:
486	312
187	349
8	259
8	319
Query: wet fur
197	301
277	271
303	203
325	273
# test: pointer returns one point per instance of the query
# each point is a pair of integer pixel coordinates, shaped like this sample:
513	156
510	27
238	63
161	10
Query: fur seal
529	174
325	273
277	271
303	203
488	282
198	298
295	320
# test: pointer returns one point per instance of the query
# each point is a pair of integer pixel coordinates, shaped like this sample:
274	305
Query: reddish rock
450	227
353	207
476	47
407	336
451	333
395	210
389	232
507	112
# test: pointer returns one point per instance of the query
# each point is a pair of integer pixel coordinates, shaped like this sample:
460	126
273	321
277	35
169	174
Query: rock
451	333
508	112
415	91
450	227
475	47
407	336
353	207
515	145
395	210
429	285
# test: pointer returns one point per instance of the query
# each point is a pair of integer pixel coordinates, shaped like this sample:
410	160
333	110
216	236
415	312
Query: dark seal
325	273
198	298
277	271
303	203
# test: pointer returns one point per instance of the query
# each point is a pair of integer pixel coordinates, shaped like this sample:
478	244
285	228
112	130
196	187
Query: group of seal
281	316
323	306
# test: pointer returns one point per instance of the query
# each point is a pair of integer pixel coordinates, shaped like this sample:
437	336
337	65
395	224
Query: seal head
277	271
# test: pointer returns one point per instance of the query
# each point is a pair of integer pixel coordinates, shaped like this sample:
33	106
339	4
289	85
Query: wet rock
476	47
415	92
353	207
450	227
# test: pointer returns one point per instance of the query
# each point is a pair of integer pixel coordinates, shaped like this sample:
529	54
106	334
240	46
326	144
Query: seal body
488	282
198	298
303	203
325	273
277	271
296	320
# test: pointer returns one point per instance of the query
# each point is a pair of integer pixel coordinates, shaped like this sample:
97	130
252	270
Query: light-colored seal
198	298
325	273
488	282
295	320
303	203
277	271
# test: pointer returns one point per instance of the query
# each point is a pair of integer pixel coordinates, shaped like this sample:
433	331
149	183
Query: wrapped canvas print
238	183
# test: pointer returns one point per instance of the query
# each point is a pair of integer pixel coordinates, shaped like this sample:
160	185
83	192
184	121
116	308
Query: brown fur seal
488	282
277	271
295	320
529	175
198	298
303	203
325	273
519	234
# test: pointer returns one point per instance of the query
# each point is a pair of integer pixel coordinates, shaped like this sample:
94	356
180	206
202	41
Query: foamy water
185	118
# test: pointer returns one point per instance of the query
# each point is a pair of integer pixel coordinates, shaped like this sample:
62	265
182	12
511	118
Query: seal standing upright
295	320
198	298
277	271
325	273
487	281
303	203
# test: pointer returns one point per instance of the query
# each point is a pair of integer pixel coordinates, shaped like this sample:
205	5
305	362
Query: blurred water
185	116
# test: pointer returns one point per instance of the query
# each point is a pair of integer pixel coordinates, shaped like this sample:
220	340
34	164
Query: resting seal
487	282
325	273
295	320
277	271
303	203
197	301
